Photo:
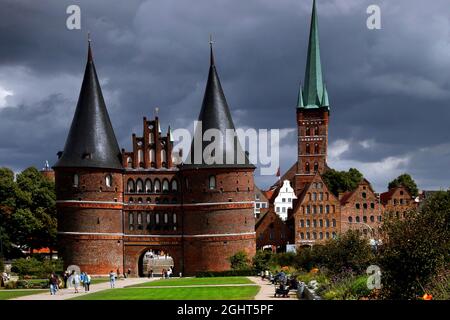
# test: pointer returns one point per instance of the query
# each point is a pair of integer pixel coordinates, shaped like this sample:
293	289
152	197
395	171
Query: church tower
313	110
217	195
89	187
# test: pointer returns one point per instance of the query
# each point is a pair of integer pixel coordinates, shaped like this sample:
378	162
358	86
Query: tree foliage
342	181
348	251
27	211
406	181
239	261
416	249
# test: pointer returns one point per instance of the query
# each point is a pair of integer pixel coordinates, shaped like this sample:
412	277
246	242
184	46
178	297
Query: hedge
227	273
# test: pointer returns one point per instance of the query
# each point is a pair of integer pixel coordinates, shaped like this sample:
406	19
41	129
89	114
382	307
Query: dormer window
86	156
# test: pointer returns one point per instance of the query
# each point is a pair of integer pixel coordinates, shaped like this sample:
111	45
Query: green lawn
99	280
194	281
198	293
10	294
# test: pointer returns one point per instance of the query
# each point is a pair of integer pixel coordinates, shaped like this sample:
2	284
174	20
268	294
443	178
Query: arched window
151	155
316	131
308	149
327	235
212	182
139	218
327	208
186	183
314	235
130	185
174	185
108	180
321	223
157	185
364	195
321	209
327	223
76	180
308	235
314	196
130	218
334	223
166	218
157	218
307	167
316	167
131	200
165	185
149	218
174	218
357	219
150	137
148	186
129	162
350	219
308	131
140	156
316	148
139	186
321	235
302	235
163	156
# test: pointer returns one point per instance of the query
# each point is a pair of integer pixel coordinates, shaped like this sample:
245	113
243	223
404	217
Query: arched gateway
155	262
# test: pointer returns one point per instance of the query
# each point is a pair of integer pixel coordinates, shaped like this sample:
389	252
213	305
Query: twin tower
115	206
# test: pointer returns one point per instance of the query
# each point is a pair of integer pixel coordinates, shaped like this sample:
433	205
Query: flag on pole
278	173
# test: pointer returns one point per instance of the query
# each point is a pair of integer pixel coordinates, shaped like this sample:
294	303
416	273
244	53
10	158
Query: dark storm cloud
389	89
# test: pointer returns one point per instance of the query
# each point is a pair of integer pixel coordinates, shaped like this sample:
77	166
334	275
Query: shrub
417	248
34	268
239	261
261	260
2	264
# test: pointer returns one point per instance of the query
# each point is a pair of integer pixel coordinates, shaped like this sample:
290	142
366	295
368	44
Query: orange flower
427	296
314	270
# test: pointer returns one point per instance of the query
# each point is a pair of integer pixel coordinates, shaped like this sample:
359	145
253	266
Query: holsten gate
115	205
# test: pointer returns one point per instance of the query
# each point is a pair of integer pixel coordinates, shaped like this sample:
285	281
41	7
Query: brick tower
312	115
217	195
89	187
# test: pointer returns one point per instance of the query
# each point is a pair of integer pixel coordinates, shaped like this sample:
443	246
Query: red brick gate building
115	205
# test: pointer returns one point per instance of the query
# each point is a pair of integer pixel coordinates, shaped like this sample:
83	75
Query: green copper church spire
313	93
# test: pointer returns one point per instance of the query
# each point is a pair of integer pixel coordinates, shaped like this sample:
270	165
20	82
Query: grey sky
389	89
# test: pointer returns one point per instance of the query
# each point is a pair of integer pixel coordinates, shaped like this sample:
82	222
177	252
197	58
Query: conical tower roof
215	114
91	142
313	89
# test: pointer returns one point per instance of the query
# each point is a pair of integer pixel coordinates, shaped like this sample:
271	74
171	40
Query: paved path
64	294
268	290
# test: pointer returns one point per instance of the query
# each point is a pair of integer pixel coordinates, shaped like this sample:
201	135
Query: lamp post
369	227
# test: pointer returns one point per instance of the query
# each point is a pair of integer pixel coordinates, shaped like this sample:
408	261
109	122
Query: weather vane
211	41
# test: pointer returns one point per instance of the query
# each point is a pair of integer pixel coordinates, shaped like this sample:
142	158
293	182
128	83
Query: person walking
87	282
82	278
76	280
112	279
53	283
65	277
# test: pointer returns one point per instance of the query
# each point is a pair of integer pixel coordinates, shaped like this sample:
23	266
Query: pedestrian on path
87	282
112	279
76	280
53	281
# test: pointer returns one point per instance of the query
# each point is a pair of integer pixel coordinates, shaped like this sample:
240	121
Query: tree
261	260
348	251
416	249
342	181
406	181
27	211
239	261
